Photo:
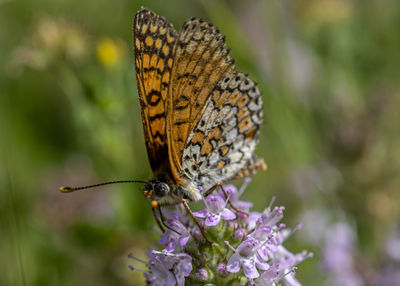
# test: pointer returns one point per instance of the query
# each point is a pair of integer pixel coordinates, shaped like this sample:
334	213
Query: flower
221	269
234	195
263	249
339	254
174	237
245	256
248	248
239	234
216	209
168	269
109	52
202	274
270	218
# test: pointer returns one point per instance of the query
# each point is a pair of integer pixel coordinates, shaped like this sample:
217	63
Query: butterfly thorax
164	189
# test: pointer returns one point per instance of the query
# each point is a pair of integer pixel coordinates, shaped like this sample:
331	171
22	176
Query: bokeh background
69	115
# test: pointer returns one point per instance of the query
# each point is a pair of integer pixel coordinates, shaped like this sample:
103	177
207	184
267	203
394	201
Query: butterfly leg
160	219
164	222
189	211
219	185
159	223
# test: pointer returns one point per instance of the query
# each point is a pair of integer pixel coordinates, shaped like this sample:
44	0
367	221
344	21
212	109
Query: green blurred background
69	115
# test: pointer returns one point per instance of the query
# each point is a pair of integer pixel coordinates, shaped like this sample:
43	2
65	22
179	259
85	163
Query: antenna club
65	189
154	204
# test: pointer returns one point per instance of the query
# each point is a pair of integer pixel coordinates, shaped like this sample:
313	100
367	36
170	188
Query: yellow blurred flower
109	52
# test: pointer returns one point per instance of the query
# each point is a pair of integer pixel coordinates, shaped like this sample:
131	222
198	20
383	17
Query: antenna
73	189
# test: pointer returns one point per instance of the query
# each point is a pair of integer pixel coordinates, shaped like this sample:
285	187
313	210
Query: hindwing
221	145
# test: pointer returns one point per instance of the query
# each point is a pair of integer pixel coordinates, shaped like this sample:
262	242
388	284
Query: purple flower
268	277
221	269
176	237
252	220
167	269
234	195
389	275
202	274
245	256
392	245
338	255
258	256
267	245
267	217
271	218
216	209
263	249
282	268
239	234
276	273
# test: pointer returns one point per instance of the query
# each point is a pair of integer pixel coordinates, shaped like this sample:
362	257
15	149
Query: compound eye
161	189
148	186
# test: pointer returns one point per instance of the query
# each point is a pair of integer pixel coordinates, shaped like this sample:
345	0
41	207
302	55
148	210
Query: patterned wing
201	61
221	145
154	40
252	166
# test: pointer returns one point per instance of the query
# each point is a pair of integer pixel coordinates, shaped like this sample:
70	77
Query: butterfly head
156	189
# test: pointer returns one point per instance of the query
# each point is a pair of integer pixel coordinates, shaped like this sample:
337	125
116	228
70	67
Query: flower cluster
245	247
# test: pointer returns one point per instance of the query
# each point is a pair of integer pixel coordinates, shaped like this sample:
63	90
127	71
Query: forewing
221	145
201	60
154	40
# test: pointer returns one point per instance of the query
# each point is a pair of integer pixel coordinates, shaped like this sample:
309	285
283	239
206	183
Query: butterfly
201	118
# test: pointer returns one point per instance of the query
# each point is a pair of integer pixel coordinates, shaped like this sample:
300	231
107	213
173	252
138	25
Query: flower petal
213	220
165	238
233	265
252	220
184	239
290	280
215	203
227	214
269	276
171	246
243	205
249	268
263	252
170	280
200	214
262	265
230	190
185	266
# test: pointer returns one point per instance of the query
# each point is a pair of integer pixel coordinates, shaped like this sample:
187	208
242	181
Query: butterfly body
201	118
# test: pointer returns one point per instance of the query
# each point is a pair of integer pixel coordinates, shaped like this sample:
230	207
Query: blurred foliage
69	114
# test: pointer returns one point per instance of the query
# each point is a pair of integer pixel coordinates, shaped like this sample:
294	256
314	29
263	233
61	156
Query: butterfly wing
252	166
154	41
221	145
201	60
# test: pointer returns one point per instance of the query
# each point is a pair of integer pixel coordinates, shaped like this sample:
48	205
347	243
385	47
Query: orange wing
154	41
201	60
